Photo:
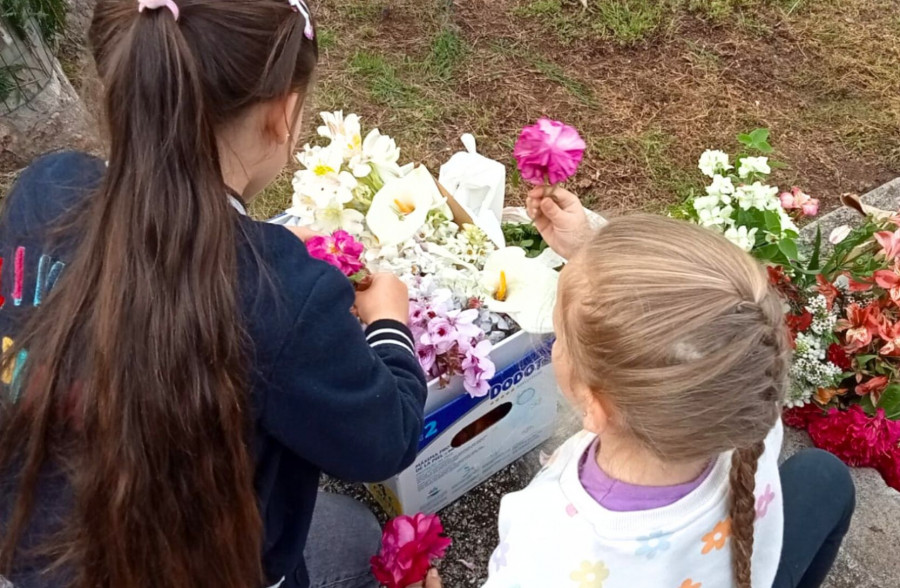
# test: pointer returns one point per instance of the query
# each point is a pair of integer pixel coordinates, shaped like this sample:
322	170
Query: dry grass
650	83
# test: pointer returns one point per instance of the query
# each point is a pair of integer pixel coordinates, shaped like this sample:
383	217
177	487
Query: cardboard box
467	440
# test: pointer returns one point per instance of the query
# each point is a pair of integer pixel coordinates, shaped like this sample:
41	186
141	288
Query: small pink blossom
340	250
797	200
427	357
549	151
478	369
410	546
440	334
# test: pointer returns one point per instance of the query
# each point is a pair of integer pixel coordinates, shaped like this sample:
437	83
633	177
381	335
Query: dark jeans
343	537
819	500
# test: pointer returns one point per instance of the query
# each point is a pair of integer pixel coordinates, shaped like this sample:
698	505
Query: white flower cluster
810	370
824	320
338	181
720	208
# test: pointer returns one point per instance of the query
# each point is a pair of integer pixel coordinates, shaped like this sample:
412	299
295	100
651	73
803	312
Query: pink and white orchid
796	199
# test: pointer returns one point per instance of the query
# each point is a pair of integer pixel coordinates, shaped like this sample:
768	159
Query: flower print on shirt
716	539
498	560
764	502
653	544
590	575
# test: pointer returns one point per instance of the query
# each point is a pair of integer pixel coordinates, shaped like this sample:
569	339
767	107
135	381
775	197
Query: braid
743	510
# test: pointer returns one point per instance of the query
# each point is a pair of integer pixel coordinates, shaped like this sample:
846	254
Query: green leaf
866	403
789	248
817	249
773	222
862	360
890	402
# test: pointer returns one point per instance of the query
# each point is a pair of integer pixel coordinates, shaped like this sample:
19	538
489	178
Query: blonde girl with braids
672	348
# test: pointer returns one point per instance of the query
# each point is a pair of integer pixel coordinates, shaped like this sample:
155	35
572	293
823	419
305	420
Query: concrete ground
869	557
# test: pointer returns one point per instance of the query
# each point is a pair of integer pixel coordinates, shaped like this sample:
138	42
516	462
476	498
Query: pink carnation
889	468
858	439
549	150
409	548
340	250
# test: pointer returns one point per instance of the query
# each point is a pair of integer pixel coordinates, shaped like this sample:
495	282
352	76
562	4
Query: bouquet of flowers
466	295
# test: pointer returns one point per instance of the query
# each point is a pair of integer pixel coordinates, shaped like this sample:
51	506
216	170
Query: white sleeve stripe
392	332
392	342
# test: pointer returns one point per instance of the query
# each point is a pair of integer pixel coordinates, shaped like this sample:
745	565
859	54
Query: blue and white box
467	440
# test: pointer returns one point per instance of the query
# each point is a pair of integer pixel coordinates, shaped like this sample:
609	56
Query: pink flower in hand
549	150
409	548
340	250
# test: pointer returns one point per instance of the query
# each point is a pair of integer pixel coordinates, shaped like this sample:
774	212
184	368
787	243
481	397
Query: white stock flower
713	162
754	165
715	217
759	196
722	187
741	237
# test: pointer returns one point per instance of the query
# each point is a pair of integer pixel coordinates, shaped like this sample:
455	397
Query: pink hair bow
301	7
157	4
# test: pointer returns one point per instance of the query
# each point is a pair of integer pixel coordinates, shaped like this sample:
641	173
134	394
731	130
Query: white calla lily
523	288
401	207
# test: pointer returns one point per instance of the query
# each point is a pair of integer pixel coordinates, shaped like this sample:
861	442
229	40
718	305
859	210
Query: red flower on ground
798	323
890	243
828	290
801	417
889	468
858	327
782	282
858	439
839	357
856	286
890	281
409	548
874	386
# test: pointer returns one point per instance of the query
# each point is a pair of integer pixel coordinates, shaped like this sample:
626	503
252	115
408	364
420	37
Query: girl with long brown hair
176	375
672	347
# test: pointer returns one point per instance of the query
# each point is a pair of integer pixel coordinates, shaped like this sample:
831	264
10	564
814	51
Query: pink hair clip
301	7
157	4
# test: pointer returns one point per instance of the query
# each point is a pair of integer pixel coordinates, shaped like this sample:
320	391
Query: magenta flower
478	369
340	250
410	546
549	151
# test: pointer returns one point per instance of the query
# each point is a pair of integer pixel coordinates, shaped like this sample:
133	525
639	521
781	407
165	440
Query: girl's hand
560	218
386	297
433	580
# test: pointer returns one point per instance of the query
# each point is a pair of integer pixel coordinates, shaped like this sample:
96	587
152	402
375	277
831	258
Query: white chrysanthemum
714	162
741	237
754	165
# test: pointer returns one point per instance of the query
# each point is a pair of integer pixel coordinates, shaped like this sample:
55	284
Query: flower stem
549	188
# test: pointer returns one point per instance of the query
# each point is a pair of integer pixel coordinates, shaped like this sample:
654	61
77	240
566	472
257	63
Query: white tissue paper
479	185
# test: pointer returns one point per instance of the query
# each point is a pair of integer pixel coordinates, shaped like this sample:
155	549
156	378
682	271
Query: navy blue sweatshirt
326	395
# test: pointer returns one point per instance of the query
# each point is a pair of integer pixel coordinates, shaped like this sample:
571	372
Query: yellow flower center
323	170
404	208
502	292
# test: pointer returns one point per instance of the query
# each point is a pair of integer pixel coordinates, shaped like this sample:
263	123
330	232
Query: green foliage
447	50
757	140
50	16
525	236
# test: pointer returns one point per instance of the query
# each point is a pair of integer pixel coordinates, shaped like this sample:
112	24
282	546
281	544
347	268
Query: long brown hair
136	383
678	330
